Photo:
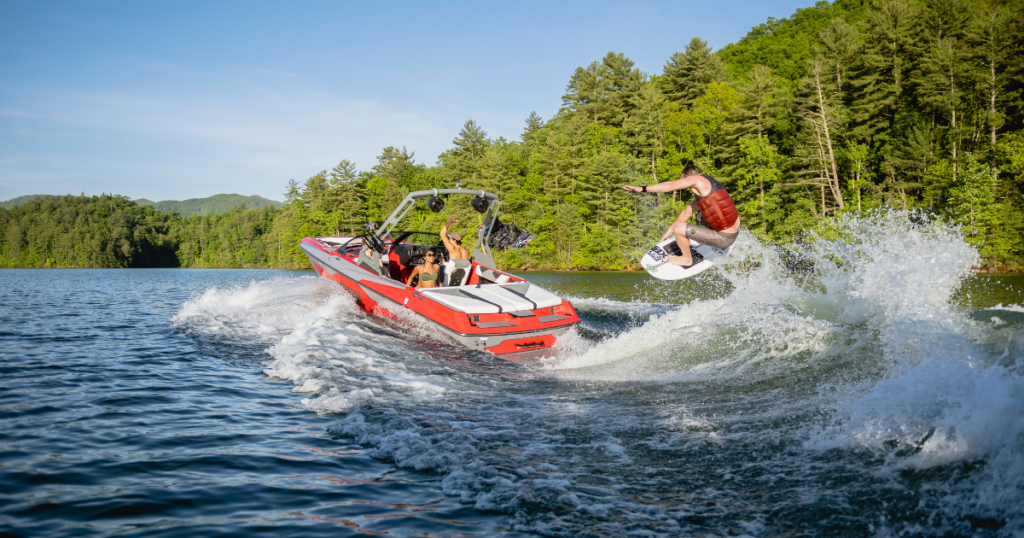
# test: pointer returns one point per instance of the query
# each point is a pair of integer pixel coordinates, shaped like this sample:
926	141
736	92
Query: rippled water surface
876	391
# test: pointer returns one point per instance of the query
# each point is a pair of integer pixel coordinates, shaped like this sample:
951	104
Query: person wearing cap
453	241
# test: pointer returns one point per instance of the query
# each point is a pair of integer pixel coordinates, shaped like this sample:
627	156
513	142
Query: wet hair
691	170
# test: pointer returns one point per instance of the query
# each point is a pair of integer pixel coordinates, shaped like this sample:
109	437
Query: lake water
879	394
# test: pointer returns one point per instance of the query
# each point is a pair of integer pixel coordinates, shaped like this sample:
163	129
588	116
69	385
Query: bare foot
685	263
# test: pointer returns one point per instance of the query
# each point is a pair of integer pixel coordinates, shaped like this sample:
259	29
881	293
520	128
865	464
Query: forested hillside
22	200
216	204
842	107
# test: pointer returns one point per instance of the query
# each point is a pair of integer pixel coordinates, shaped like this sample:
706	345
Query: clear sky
177	99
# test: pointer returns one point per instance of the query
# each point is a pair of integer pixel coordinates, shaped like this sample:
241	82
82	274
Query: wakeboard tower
704	257
477	305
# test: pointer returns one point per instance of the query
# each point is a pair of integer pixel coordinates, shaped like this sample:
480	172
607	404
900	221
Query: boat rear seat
493	298
456	272
490	275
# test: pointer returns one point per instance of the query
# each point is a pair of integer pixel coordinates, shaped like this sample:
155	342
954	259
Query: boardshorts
711	238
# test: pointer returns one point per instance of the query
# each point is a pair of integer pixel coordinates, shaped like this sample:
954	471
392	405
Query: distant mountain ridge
22	200
216	204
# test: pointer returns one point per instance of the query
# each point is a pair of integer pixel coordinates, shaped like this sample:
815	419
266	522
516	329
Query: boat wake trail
851	396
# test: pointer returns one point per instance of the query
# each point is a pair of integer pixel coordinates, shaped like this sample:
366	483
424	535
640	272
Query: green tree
758	104
468	153
644	129
757	173
995	40
534	123
890	40
688	73
820	109
349	198
941	87
972	202
839	47
603	90
857	156
397	165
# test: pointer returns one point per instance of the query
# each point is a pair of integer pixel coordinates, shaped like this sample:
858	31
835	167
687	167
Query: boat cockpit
401	251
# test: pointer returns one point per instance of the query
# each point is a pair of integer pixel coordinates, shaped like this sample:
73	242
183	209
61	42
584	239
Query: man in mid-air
453	241
720	222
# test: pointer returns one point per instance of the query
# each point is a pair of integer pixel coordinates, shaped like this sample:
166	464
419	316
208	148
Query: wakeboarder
720	222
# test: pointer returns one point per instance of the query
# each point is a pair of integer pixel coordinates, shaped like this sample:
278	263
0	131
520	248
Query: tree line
843	107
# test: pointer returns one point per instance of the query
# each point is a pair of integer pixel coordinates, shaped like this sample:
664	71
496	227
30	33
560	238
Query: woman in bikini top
429	272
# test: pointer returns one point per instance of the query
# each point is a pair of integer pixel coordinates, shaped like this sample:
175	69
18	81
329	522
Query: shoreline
982	270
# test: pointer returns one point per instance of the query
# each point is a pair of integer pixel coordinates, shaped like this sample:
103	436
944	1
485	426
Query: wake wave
860	351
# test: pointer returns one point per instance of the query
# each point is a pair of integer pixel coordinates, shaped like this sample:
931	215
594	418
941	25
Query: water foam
321	341
879	299
863	353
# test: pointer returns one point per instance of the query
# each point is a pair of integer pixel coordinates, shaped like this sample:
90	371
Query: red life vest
718	210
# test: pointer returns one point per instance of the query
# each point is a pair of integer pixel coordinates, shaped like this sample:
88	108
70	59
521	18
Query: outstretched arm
666	186
444	234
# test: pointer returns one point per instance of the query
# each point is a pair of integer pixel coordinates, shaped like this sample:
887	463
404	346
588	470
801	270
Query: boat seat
534	294
493	298
490	275
456	272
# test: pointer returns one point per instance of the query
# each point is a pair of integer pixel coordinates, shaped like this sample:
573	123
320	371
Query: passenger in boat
429	272
720	222
453	241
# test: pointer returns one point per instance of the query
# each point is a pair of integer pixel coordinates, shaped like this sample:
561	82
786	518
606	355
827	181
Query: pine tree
291	192
533	125
857	157
644	129
890	39
314	191
711	114
994	41
942	87
972	202
839	47
819	109
395	164
349	198
916	151
587	94
943	19
688	73
602	91
468	153
758	171
759	103
622	81
561	159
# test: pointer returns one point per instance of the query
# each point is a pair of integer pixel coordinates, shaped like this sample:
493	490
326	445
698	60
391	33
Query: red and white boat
477	305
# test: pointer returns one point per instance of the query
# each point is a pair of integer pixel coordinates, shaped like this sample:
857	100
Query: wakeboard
704	257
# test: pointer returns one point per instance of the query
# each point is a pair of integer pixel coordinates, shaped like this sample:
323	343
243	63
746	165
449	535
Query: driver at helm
453	241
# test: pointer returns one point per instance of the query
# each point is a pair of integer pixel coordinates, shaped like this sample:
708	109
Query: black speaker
480	204
435	204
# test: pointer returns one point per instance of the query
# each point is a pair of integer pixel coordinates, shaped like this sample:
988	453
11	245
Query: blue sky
176	100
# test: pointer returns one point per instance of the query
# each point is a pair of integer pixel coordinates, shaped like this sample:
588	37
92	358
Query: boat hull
506	319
